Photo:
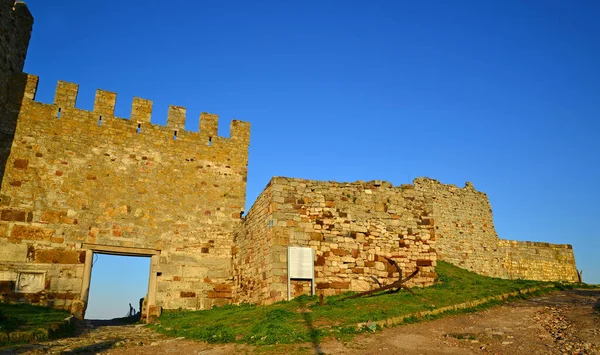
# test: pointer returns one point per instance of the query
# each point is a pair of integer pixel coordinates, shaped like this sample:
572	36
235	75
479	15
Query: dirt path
558	323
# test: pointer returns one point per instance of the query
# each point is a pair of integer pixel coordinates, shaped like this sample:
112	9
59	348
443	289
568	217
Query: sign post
301	266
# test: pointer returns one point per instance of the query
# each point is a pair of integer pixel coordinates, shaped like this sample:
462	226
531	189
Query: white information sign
301	265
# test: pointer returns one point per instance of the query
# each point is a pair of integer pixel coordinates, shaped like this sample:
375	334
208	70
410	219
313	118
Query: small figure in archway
141	305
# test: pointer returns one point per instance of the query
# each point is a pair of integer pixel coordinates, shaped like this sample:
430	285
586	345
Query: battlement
65	98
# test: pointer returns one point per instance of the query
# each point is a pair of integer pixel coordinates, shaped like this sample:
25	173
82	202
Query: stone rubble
557	324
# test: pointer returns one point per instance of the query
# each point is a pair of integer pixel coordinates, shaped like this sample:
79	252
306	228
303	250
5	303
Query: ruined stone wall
466	237
351	227
252	252
15	31
77	178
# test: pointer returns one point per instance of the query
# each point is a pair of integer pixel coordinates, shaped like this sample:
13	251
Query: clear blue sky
505	94
116	282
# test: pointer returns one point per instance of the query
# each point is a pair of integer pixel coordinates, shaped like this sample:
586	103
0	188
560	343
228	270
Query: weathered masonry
77	182
15	30
351	226
466	237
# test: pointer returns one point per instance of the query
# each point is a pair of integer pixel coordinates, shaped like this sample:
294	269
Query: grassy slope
302	319
23	317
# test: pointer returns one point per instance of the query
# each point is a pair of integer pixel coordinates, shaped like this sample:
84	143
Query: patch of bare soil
565	322
557	323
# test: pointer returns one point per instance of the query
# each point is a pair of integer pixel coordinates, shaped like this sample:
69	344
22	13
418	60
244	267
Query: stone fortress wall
466	237
15	31
75	182
78	179
352	227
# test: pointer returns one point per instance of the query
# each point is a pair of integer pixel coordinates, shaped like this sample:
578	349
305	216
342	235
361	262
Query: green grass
585	286
304	320
25	317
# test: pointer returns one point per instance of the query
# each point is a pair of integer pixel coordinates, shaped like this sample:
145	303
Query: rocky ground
565	322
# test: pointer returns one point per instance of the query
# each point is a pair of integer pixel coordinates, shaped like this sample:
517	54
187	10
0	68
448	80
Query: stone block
223	287
15	215
323	285
3	229
320	261
339	252
216	274
13	253
187	294
316	236
53	256
359	285
154	312
8	275
217	294
339	285
7	286
59	284
78	309
21	164
23	232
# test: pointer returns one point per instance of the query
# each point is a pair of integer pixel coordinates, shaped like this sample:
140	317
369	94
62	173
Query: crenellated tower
78	182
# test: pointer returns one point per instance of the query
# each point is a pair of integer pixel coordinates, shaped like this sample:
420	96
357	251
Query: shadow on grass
308	322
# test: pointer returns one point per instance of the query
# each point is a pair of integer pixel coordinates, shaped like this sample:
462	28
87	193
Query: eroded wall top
352	228
467	238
